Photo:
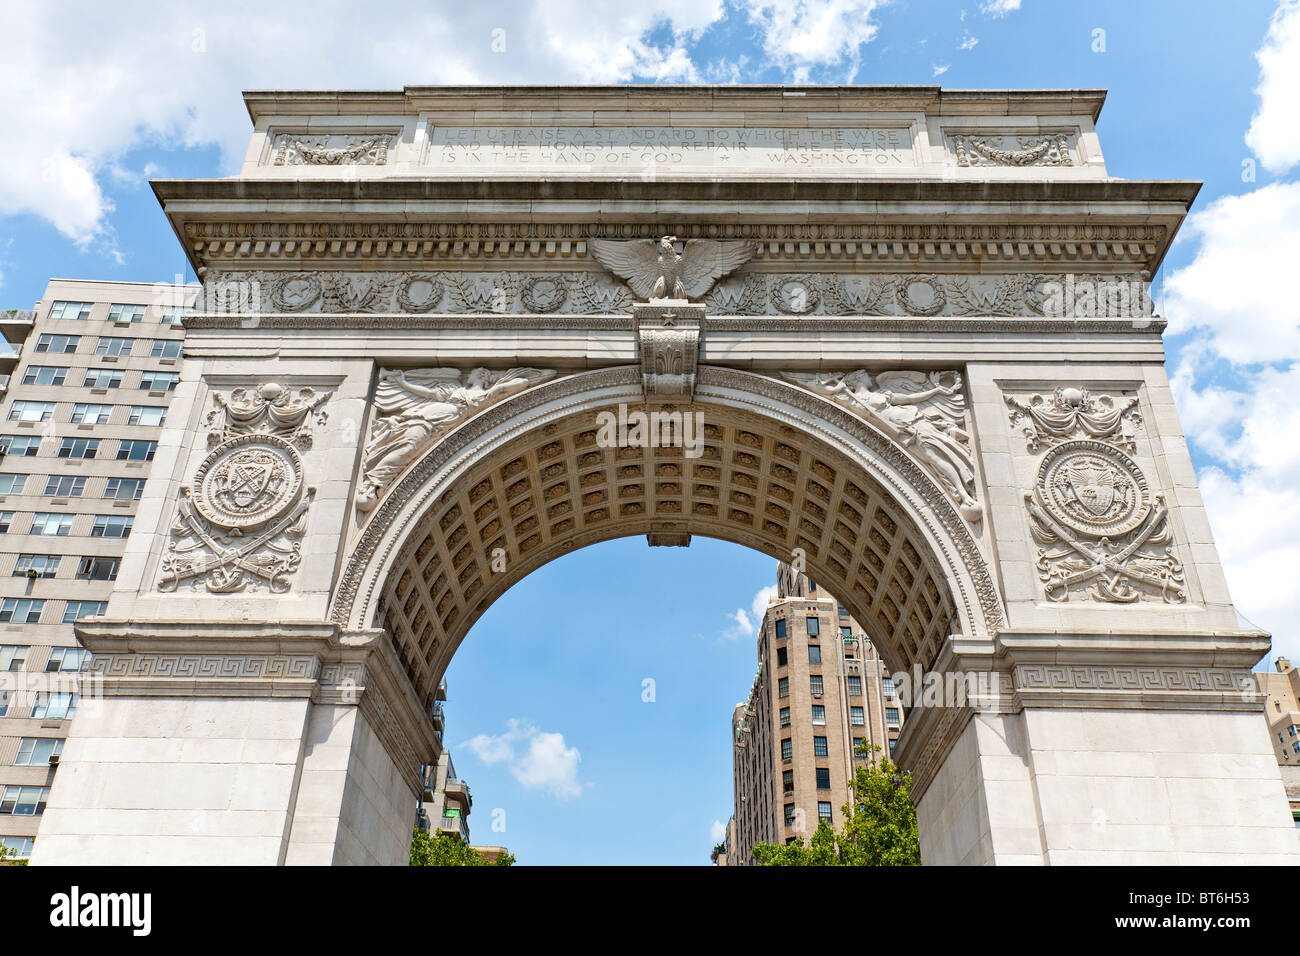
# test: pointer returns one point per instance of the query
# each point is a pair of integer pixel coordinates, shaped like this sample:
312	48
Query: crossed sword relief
1104	562
228	564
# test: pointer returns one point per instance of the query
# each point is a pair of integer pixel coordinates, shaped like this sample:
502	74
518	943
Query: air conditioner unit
33	573
54	760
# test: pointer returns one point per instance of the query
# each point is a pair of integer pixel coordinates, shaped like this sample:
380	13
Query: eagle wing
634	260
705	261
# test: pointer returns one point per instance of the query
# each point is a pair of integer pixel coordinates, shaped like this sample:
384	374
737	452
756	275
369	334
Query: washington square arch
448	335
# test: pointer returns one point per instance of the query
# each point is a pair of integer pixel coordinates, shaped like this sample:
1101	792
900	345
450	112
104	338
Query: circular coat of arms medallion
1094	488
248	481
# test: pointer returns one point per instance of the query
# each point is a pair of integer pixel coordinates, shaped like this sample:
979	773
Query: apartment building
88	384
1282	711
820	695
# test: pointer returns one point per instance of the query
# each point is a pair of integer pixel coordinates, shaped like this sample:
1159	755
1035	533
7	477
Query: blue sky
546	708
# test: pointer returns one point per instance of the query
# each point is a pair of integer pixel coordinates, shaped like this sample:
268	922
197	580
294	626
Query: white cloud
537	759
718	832
83	87
814	33
1274	135
968	42
999	8
940	70
1238	288
745	623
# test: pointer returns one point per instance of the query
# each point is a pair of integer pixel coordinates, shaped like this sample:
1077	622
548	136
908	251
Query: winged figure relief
656	270
925	411
419	406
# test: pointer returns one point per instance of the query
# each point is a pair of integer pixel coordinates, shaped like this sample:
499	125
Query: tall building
89	381
1282	711
821	692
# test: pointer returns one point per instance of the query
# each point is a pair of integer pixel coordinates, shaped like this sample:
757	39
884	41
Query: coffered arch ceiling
778	469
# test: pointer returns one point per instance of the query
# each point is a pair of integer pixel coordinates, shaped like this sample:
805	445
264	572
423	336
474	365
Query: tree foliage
879	827
429	849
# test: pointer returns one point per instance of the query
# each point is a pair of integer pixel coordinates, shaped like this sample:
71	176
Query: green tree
879	826
429	849
9	857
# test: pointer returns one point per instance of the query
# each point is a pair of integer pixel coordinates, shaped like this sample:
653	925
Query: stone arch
779	468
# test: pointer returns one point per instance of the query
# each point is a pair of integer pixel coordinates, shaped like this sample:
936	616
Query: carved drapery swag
239	524
416	407
924	411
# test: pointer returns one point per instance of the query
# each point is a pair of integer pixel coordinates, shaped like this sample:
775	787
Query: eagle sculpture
654	270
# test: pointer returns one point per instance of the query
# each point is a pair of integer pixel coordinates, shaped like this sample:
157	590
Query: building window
65	486
76	610
789	814
6	519
855	685
888	686
824	811
21	611
787	749
165	348
12	484
136	449
20	846
787	782
857	717
819	747
818	714
124	489
50	524
783	687
103	378
111	526
814	653
31	411
815	683
33	751
44	565
172	314
147	415
4	703
814	626
93	568
23	446
858	744
846	633
70	310
24	801
891	717
780	627
842	611
159	381
79	448
57	344
117	312
54	706
113	345
785	716
823	778
45	375
892	742
84	413
64	660
13	656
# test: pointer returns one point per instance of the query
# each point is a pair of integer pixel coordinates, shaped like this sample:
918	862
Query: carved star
669	318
